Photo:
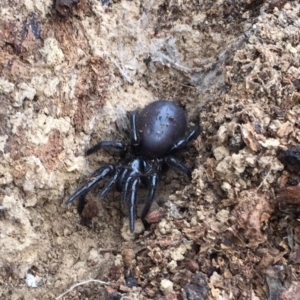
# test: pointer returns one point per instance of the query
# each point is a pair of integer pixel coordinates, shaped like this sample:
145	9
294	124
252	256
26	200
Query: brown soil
71	71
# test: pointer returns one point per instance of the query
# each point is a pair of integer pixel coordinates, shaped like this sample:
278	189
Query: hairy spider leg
109	184
133	129
109	145
95	178
193	134
153	182
176	163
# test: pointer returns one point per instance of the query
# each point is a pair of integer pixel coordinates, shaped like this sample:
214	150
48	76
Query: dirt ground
71	71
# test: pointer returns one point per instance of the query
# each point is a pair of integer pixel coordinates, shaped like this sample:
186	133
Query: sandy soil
70	74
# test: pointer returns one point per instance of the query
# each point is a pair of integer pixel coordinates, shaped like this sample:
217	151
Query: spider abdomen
160	125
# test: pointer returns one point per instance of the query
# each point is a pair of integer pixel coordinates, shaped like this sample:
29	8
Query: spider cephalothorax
155	134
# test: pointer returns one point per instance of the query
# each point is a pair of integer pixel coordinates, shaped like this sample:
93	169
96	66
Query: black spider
155	133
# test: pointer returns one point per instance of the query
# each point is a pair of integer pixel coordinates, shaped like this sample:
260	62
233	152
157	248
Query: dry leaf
249	136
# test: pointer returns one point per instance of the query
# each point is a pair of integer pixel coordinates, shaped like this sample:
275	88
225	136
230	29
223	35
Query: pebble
166	286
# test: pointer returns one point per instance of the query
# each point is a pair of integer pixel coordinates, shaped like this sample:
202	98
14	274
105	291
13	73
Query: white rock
166	286
220	152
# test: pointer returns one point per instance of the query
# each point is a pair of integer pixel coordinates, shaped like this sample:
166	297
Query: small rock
155	216
112	293
164	227
172	266
138	229
128	257
166	286
124	289
192	266
291	158
220	152
131	281
222	215
114	296
171	296
178	253
30	280
93	257
197	289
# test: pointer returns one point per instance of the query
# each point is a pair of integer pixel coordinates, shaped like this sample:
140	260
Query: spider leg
81	204
176	163
108	145
195	131
110	183
153	181
132	195
95	177
133	169
125	190
133	129
129	195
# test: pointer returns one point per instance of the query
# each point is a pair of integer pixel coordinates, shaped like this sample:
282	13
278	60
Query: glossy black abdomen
160	125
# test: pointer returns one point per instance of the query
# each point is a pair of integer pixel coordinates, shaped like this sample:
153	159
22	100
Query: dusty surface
68	82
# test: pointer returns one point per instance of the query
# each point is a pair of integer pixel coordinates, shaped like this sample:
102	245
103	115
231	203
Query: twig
82	283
